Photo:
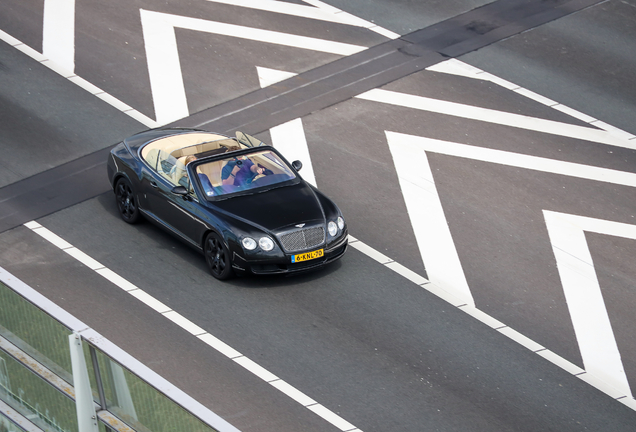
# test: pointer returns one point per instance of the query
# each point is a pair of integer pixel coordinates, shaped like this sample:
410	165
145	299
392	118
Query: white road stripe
116	279
220	346
184	323
256	369
83	258
319	11
267	76
590	320
411	144
496	117
603	366
457	67
149	300
370	252
332	417
77	80
521	339
293	393
431	230
58	34
164	68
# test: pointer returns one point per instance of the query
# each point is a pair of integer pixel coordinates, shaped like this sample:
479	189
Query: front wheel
126	201
217	257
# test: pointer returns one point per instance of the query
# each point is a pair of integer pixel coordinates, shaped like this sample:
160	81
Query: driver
240	171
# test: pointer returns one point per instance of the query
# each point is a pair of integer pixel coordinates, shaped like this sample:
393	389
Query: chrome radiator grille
303	239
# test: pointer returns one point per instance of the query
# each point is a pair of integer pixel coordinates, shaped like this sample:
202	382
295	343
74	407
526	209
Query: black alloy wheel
126	201
218	257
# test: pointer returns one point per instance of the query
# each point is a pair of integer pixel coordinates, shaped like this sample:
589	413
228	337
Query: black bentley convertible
235	199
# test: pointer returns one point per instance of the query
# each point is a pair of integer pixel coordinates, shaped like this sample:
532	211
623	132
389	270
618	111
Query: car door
183	214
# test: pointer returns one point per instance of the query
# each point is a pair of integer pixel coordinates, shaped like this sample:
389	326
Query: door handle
153	184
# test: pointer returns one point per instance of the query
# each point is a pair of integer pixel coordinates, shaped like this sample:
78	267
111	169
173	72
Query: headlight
266	243
340	222
332	228
249	243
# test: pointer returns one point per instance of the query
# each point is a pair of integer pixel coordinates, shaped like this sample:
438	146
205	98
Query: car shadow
284	280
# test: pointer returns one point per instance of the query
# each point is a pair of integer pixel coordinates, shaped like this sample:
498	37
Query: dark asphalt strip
296	97
345	78
53	190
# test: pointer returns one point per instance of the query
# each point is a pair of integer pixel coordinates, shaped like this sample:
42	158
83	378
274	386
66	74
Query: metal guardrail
103	355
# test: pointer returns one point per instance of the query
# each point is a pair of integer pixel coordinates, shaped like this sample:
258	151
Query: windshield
242	173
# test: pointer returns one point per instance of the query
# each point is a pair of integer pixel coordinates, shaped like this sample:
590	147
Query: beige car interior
168	155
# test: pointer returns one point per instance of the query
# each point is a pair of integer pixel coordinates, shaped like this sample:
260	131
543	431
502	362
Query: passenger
205	181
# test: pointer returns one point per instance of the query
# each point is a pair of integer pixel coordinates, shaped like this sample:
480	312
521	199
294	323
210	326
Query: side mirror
179	190
297	165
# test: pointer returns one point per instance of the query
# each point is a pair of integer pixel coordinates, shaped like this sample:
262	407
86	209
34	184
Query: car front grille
303	239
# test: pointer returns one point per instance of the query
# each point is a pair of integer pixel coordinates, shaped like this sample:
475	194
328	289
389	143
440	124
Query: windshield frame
194	178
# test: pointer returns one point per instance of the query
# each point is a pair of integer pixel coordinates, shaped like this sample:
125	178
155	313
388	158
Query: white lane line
332	418
495	117
369	251
267	76
590	320
149	300
94	90
184	323
363	23
116	279
426	213
457	67
416	145
293	393
164	68
603	366
220	346
256	369
58	33
319	11
83	258
166	80
193	329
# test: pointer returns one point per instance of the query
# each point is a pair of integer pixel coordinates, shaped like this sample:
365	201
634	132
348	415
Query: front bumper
284	266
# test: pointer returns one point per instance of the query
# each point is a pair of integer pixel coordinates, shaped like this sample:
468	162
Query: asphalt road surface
490	284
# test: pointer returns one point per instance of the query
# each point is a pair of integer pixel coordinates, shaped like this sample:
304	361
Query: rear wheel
126	201
218	257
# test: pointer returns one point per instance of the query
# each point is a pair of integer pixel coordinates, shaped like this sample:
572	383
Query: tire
126	201
217	257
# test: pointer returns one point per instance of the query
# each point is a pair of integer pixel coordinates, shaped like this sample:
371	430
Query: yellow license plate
308	256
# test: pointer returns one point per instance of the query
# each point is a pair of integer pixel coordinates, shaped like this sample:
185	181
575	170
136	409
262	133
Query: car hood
276	208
